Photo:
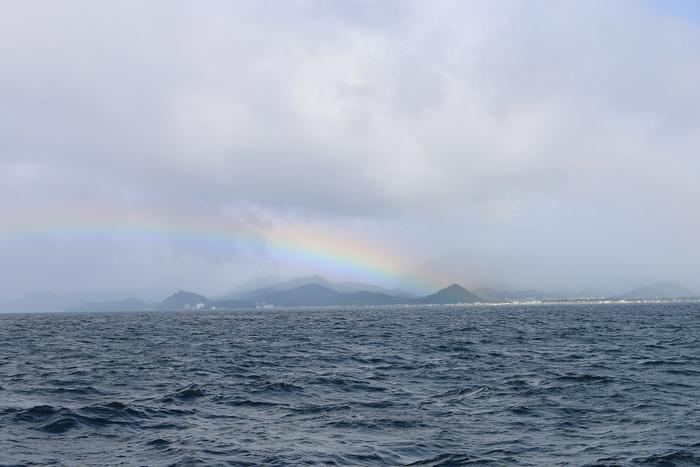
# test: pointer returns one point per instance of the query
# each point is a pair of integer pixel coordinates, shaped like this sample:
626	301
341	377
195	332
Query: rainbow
309	248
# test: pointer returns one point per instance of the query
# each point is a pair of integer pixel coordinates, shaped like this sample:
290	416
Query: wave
453	459
677	458
466	393
191	391
585	378
278	386
57	420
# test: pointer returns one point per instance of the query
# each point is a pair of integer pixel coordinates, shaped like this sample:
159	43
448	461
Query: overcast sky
548	144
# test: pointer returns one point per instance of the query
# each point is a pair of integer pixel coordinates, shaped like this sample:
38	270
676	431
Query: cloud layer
549	144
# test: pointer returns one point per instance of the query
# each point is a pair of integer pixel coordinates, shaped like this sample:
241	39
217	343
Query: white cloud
515	140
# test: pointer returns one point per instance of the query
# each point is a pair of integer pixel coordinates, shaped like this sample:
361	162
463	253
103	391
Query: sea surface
473	385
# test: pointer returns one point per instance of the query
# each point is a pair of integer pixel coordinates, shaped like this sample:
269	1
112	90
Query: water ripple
550	385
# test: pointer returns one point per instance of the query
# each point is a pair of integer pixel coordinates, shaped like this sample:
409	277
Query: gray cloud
542	144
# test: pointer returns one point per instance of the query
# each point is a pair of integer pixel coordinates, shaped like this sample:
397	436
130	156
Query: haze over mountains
660	290
314	291
264	286
48	302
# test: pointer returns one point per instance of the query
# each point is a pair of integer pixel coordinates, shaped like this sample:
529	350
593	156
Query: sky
160	145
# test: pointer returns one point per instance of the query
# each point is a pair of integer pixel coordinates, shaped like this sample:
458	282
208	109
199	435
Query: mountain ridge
314	294
318	291
244	292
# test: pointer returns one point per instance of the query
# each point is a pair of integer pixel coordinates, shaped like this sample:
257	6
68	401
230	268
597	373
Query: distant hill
253	294
182	300
317	292
51	302
660	290
129	304
350	287
319	295
252	284
305	295
297	282
312	294
310	291
264	287
455	293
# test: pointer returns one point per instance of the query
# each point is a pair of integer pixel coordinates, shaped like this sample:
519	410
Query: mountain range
263	286
314	294
314	291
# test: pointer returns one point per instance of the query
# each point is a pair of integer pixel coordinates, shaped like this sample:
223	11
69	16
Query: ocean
473	385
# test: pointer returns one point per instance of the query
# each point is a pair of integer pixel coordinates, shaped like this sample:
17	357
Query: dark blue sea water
534	385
